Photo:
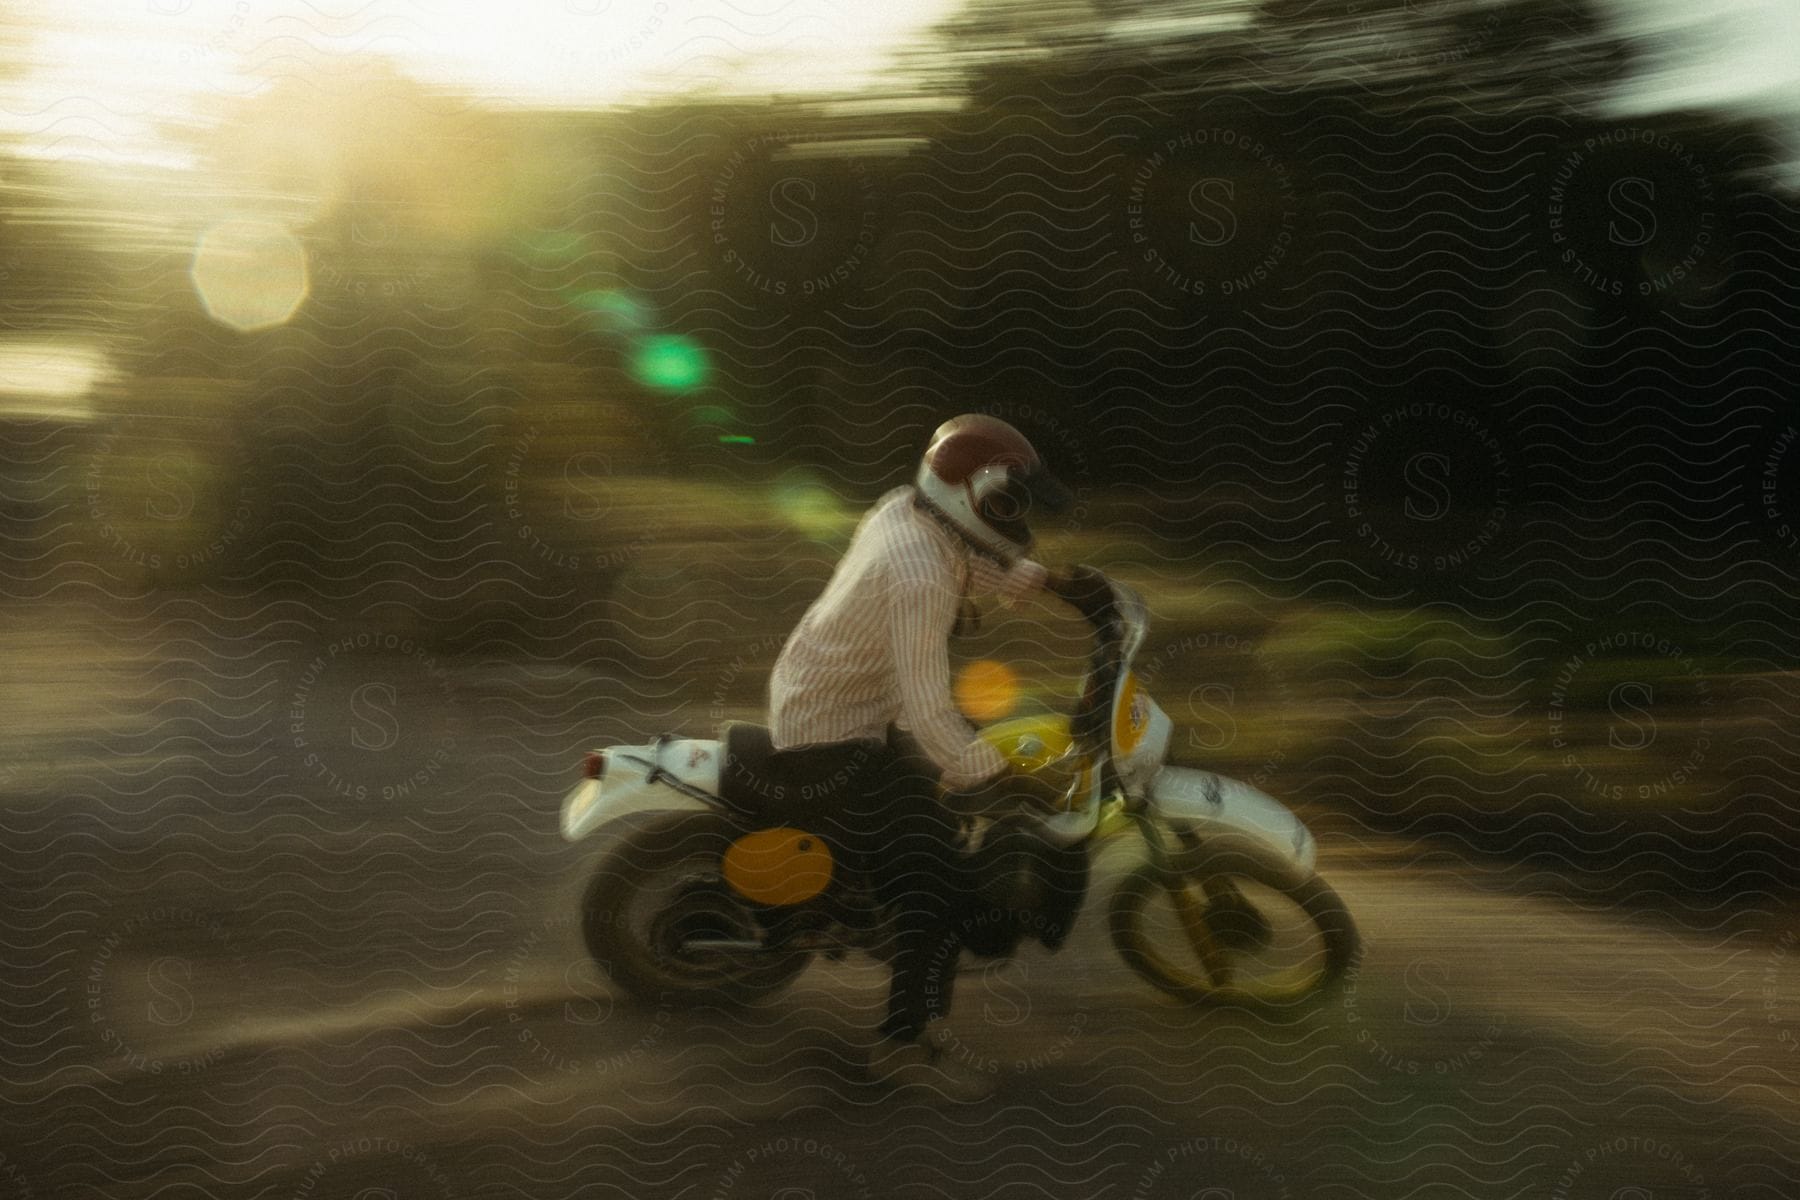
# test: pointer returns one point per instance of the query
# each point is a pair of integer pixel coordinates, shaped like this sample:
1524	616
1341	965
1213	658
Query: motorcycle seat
802	786
748	783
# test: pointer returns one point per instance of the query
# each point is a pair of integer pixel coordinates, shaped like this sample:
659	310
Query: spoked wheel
1234	920
662	923
1233	925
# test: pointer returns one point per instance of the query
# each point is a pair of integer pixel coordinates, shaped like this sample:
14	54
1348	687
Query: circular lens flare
615	311
670	363
987	690
249	274
810	507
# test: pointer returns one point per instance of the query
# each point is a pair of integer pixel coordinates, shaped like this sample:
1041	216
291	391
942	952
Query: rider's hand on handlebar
1021	580
1059	578
1078	585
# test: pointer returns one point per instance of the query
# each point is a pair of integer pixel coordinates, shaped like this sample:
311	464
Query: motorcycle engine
1024	886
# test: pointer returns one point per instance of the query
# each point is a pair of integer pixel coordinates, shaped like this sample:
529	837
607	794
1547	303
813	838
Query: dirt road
233	971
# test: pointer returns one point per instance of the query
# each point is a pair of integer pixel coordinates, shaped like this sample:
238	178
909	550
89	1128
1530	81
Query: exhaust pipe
722	945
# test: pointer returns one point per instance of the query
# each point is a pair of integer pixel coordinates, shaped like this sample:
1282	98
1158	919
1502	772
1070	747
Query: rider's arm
987	577
921	609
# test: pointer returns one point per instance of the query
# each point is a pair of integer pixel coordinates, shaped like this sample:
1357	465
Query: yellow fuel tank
1037	743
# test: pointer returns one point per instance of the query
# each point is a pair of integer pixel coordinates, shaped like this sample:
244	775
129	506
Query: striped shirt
874	649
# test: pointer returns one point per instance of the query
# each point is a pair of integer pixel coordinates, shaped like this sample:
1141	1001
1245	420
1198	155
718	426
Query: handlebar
1084	589
1091	594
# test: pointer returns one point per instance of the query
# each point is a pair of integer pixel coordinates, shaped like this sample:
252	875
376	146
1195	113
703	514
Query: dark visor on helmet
1047	492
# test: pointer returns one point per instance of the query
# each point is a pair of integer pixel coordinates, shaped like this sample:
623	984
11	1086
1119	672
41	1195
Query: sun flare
117	85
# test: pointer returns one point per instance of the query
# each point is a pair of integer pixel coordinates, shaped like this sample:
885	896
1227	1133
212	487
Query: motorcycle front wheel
1229	923
661	922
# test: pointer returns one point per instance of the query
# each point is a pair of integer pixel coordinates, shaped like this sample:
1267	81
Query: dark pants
878	804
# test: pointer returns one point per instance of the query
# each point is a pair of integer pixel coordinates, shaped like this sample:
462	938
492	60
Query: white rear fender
685	771
1201	798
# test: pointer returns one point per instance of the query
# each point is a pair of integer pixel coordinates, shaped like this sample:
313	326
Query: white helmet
984	479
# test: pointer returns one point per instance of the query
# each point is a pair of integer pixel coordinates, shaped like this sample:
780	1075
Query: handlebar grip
1080	586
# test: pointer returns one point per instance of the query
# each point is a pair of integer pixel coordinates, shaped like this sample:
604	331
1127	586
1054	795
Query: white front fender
1182	794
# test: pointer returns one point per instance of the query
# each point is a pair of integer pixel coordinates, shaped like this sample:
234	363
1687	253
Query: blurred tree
1206	46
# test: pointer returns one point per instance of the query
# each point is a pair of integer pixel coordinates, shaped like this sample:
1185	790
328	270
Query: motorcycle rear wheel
640	946
1210	969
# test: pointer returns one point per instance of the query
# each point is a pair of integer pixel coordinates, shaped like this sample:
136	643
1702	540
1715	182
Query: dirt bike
699	899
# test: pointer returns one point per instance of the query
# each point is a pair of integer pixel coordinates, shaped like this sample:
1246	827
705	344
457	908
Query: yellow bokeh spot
987	690
249	274
809	506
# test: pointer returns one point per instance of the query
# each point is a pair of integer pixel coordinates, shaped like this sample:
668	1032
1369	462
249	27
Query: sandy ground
235	973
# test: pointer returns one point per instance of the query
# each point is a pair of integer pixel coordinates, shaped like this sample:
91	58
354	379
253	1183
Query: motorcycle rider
860	699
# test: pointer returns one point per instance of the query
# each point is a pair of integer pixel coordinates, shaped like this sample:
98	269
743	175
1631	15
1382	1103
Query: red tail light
594	765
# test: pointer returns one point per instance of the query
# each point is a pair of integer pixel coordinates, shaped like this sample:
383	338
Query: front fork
1164	846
